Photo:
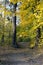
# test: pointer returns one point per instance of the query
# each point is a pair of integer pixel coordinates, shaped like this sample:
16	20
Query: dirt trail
26	56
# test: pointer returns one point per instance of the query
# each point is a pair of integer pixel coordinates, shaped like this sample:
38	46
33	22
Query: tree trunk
38	35
14	34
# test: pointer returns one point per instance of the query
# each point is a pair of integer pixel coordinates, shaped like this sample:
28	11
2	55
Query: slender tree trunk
14	21
38	35
14	33
2	39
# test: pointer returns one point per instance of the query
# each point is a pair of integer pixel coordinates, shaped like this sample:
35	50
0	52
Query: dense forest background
21	21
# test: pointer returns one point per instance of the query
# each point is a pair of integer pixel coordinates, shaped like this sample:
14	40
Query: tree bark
38	35
14	21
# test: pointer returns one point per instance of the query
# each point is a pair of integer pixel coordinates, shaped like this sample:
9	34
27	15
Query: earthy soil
21	56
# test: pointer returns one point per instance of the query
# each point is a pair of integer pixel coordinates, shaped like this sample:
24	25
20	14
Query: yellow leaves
24	23
24	5
23	33
35	27
28	0
27	20
13	1
1	8
4	11
32	44
23	0
7	13
37	16
40	7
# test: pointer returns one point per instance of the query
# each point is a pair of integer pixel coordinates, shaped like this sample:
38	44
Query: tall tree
14	21
31	15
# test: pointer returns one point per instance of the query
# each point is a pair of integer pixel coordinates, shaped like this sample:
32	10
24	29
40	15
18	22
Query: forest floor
21	56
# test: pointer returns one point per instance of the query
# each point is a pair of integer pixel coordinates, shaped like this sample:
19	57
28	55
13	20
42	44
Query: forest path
21	56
